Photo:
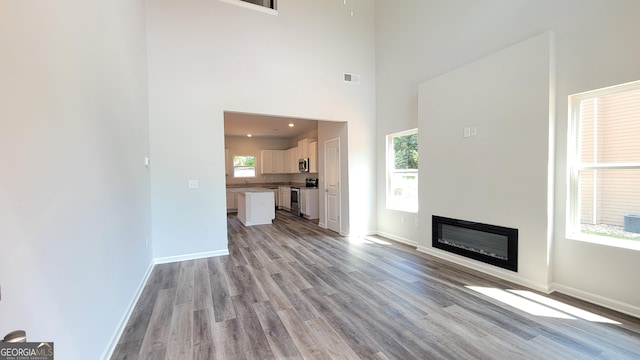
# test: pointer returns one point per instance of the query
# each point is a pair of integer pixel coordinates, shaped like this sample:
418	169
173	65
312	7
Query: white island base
256	206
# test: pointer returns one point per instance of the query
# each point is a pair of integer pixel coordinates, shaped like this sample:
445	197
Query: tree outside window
402	171
244	166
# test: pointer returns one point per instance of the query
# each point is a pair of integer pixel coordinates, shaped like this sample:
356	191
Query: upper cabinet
303	148
272	161
286	161
313	157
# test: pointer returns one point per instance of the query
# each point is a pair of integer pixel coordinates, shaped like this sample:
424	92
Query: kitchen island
256	206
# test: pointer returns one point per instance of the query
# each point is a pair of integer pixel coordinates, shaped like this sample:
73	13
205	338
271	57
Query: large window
402	171
604	166
244	166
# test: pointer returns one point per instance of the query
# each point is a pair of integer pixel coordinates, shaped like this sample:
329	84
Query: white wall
501	176
595	48
206	57
74	191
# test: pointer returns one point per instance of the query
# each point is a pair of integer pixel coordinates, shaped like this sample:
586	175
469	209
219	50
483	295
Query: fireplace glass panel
494	245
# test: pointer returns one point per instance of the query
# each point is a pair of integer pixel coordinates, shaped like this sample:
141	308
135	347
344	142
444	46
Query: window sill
605	241
407	209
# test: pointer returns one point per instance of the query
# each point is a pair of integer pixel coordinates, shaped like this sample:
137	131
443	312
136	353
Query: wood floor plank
308	343
184	293
180	342
221	297
251	337
274	293
202	296
334	345
281	342
157	333
203	343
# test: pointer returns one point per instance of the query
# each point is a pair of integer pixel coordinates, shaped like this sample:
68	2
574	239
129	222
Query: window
271	4
604	166
402	171
267	6
244	166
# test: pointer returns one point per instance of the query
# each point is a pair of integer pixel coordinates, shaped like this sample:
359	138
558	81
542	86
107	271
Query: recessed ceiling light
291	125
249	135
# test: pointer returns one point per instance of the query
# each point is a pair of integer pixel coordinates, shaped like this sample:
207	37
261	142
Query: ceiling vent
351	78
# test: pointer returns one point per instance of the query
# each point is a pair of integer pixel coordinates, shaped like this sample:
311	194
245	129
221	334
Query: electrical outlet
193	184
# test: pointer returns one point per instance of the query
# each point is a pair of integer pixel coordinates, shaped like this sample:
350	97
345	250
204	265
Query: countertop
251	189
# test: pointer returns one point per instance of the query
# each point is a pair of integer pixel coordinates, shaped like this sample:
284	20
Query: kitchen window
402	171
244	166
604	166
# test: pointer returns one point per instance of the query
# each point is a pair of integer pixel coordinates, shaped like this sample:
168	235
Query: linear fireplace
495	245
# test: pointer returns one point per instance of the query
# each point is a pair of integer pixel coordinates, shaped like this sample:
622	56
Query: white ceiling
265	126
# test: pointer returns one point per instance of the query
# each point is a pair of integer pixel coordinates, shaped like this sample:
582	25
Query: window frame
392	202
575	166
255	166
256	7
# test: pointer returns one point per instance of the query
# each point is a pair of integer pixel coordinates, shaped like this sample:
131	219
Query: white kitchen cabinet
272	161
256	206
231	201
303	201
286	162
293	161
266	161
303	148
285	197
309	203
277	161
313	157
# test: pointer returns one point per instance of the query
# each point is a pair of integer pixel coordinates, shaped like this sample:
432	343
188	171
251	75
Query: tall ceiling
265	126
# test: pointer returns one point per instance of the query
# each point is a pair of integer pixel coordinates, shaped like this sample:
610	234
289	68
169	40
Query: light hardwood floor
294	291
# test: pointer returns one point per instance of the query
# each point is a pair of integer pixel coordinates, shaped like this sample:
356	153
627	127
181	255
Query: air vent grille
351	78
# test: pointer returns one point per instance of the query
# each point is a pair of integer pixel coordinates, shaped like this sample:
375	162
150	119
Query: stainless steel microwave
303	165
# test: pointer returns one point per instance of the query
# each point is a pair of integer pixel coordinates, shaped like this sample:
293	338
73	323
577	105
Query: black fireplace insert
492	244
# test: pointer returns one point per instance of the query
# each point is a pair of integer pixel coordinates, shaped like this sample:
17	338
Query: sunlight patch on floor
539	305
367	240
583	314
521	303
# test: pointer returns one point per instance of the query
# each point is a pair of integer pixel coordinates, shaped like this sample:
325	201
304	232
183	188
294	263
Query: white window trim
255	167
251	6
390	203
572	228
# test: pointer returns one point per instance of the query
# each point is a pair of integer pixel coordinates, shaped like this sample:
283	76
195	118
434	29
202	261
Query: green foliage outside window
405	149
244	161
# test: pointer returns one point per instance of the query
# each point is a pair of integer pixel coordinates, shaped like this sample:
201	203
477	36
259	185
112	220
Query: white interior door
332	183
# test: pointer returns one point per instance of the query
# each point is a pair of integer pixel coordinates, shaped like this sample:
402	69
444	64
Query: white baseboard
597	299
125	319
484	268
170	259
398	238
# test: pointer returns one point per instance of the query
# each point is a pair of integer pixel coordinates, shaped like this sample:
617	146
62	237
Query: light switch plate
193	184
